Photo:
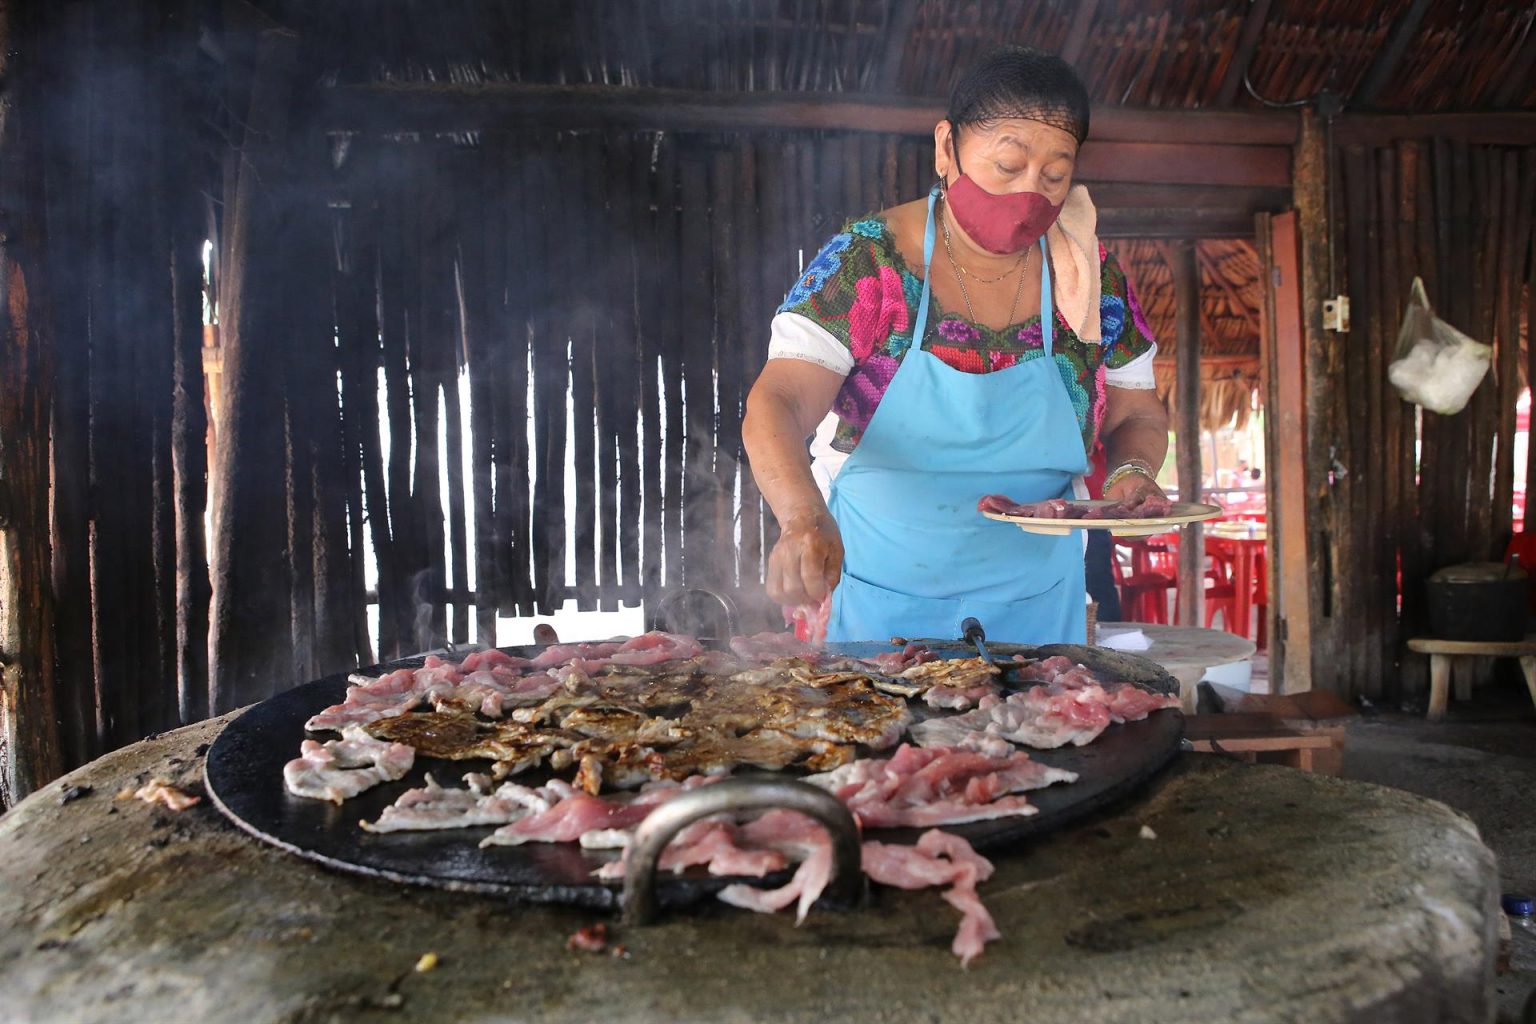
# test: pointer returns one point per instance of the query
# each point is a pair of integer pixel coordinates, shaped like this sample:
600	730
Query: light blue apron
918	557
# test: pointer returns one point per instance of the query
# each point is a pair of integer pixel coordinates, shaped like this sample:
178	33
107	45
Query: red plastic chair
1220	590
1143	594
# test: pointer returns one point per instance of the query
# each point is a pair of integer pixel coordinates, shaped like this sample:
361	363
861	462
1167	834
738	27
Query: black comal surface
245	778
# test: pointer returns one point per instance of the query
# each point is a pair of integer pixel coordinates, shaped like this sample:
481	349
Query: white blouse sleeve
793	336
1136	374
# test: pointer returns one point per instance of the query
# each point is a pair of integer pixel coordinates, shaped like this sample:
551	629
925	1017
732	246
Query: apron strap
1047	308
921	325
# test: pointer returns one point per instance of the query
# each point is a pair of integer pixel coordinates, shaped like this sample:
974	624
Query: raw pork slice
923	787
940	858
434	807
1072	707
1153	507
573	813
765	647
340	769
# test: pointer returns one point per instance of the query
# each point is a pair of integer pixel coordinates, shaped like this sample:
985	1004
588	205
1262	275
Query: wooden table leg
1463	671
1528	666
1439	685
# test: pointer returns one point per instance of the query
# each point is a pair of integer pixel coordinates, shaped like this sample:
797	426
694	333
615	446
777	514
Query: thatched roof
1232	298
1148	53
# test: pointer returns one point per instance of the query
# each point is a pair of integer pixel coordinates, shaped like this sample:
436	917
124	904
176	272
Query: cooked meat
956	684
458	736
160	791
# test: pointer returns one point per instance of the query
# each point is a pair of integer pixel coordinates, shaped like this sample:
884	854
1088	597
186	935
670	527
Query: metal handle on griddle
974	635
750	793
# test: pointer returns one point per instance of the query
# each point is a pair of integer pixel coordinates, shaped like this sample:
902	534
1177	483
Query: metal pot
1480	601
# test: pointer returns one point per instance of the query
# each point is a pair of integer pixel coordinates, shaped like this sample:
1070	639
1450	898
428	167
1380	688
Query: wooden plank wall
1461	216
635	273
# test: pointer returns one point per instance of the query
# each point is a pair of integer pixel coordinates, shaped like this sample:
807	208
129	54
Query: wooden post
1186	289
1285	414
29	735
1323	373
252	630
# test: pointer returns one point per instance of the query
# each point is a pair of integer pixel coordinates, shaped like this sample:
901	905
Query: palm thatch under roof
1231	305
1146	53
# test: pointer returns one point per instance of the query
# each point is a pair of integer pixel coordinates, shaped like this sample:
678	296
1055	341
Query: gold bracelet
1125	469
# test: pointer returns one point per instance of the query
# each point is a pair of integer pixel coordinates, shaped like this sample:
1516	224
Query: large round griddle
244	773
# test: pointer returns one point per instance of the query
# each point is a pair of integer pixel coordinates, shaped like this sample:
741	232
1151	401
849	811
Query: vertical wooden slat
756	306
429	618
359	328
395	599
584	209
515	276
30	737
251	613
650	303
70	209
354	287
1528	175
1390	493
672	343
1516	222
697	324
725	186
487	371
624	376
613	345
551	373
1186	288
1412	211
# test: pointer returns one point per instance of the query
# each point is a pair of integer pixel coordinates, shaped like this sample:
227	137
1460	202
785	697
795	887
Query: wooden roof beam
1512	128
1390	55
442	108
1247	45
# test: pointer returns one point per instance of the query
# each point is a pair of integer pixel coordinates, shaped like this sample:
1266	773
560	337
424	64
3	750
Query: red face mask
1000	224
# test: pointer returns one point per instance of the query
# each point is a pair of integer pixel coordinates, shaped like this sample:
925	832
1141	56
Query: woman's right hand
805	564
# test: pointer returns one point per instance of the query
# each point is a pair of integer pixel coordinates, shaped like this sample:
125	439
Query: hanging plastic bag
1436	366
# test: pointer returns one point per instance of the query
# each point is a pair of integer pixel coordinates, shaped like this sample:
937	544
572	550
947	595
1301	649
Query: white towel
1078	281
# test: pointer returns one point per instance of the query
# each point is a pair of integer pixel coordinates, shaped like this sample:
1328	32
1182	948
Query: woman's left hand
1133	489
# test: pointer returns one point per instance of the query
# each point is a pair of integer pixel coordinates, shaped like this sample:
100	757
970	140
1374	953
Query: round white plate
1184	512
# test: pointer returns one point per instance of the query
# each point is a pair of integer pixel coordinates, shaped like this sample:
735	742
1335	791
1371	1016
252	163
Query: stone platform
1267	894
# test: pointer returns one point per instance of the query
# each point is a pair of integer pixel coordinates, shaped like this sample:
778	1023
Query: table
1443	655
1267	894
1247	543
1186	652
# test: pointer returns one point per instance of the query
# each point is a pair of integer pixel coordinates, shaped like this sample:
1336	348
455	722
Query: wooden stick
1186	284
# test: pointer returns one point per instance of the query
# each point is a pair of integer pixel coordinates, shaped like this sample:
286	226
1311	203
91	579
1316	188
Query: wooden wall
1415	491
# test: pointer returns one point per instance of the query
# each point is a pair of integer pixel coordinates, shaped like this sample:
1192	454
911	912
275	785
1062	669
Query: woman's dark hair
1016	81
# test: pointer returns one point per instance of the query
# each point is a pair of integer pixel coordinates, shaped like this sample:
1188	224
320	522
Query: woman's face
1011	155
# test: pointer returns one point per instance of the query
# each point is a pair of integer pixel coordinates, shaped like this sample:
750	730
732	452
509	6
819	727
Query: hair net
1018	82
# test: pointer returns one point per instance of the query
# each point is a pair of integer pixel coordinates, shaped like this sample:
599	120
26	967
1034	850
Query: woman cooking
1029	347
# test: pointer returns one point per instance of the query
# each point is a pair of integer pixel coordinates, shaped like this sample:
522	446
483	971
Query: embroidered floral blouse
860	294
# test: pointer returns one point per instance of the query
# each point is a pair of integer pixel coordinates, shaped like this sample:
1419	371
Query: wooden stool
1443	654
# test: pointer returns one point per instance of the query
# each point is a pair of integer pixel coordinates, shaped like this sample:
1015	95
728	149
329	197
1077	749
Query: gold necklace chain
966	295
